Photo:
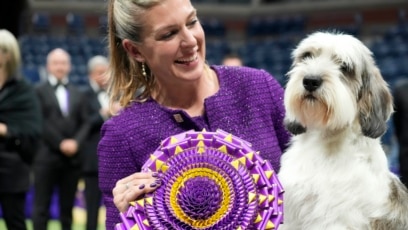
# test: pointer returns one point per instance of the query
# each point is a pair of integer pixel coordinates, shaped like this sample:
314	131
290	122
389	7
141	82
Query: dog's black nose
312	83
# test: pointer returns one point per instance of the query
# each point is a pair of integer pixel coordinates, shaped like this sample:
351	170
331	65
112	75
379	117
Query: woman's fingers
130	188
138	176
147	175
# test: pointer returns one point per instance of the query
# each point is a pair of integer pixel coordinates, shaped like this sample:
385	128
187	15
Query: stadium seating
41	22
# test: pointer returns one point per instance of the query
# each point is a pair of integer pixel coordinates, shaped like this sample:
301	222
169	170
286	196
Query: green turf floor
79	218
53	225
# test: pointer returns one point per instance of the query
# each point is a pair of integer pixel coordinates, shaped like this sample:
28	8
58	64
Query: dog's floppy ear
294	127
375	103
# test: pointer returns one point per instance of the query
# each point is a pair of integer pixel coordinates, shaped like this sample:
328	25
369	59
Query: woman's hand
130	188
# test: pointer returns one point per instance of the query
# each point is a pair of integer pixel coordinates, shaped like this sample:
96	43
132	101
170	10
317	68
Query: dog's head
334	83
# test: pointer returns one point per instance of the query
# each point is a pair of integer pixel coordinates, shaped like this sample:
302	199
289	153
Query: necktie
59	83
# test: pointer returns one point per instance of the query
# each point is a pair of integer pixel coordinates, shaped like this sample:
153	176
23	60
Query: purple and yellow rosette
210	180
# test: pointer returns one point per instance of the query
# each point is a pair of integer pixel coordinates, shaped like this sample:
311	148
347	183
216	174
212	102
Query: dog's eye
345	68
306	55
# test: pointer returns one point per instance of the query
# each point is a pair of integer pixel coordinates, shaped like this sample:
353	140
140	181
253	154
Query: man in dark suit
99	112
400	119
58	163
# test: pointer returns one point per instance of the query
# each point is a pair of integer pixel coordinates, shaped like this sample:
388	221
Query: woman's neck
189	98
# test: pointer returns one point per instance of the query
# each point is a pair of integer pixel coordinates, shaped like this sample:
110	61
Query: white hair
97	61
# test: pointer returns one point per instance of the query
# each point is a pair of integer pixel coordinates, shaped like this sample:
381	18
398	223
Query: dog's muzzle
311	83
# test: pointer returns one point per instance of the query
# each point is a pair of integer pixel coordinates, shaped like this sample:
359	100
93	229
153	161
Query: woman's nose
188	38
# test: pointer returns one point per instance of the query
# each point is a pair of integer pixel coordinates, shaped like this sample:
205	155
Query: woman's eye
167	35
192	23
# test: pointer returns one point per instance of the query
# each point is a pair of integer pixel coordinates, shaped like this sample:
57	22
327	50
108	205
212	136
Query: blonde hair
125	76
10	47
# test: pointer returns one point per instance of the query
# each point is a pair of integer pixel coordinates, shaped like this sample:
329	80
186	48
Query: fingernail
157	181
141	186
152	185
155	174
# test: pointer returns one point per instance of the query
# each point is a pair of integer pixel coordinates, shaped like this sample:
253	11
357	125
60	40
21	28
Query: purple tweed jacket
249	105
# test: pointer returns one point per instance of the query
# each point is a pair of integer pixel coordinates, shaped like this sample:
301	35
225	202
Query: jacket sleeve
398	116
83	119
24	134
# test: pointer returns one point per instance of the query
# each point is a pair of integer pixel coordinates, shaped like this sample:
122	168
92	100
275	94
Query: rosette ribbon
210	181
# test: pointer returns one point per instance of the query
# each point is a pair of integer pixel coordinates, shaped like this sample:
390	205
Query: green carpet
79	216
52	225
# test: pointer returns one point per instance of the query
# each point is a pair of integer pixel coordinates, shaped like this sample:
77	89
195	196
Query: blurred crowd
48	137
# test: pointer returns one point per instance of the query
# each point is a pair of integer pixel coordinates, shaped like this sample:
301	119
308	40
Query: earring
144	70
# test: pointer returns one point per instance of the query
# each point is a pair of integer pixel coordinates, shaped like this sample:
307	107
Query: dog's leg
397	218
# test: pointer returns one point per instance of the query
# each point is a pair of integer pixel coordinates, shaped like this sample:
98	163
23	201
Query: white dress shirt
102	95
61	93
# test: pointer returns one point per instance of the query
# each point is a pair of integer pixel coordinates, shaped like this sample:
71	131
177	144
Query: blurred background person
232	59
99	112
20	127
400	119
58	163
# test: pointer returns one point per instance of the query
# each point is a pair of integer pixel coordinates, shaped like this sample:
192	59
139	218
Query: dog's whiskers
310	97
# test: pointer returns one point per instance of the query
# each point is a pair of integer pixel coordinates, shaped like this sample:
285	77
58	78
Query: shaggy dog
335	172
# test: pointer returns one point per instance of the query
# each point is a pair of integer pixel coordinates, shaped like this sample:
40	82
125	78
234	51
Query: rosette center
199	197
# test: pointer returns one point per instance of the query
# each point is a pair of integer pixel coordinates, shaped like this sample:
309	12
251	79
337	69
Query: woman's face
173	43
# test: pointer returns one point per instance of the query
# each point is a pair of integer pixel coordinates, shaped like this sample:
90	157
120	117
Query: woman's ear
132	50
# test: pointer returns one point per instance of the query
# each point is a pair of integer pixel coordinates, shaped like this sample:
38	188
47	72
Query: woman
20	126
159	46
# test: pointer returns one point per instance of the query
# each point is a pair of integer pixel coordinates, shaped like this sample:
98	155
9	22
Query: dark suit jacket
20	111
400	119
90	163
58	127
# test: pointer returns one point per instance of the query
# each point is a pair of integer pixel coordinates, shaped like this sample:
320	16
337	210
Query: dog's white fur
335	172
